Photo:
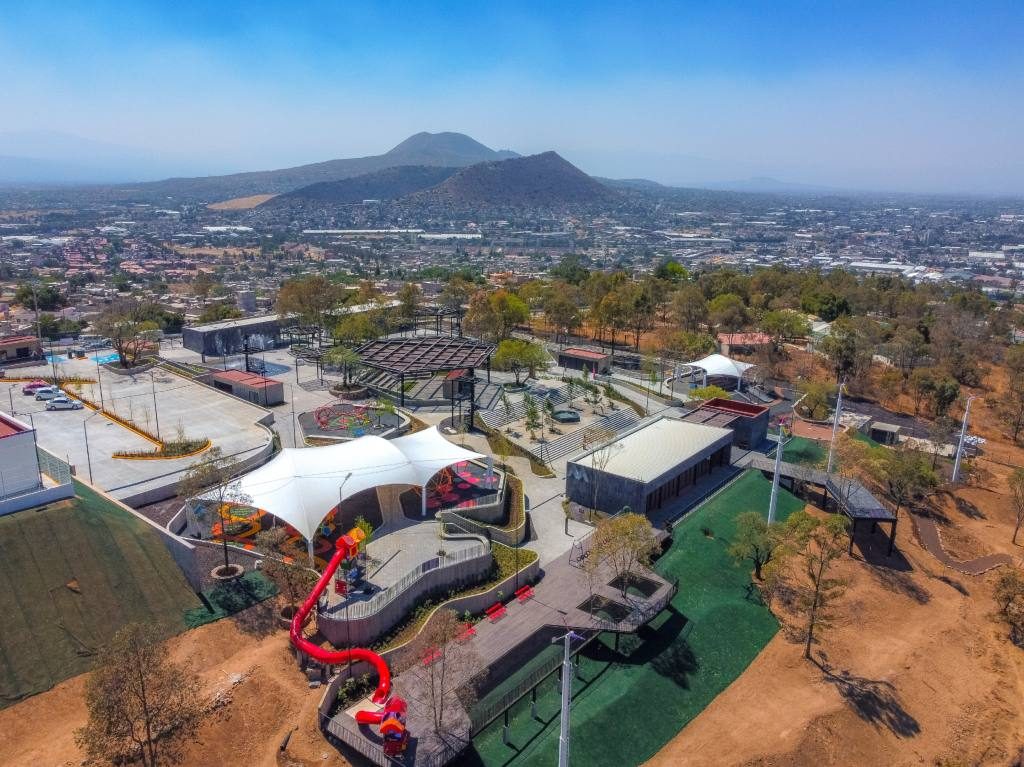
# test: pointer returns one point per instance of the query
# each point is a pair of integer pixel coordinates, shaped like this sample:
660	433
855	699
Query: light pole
773	502
963	438
85	432
563	732
156	413
835	428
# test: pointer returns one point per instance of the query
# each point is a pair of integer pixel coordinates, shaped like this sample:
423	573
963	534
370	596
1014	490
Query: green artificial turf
631	702
71	574
806	452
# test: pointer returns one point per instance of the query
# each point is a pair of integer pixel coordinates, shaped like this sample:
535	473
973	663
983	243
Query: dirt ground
916	671
261	693
241	203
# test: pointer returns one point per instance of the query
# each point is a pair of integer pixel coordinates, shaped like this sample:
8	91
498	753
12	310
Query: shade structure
300	486
720	365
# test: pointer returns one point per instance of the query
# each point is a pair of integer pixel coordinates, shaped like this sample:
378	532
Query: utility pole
835	428
563	732
963	438
775	477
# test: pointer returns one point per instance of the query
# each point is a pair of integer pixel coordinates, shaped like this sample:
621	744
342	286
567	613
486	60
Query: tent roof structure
300	486
720	365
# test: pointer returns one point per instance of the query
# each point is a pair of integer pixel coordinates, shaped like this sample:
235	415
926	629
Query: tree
506	406
941	433
517	356
292	580
410	296
604	438
816	402
130	331
220	311
904	474
704	393
684	345
755	541
671	270
310	298
532	413
783	324
1009	596
562	311
493	315
625	542
210	480
688	307
353	329
818	590
1017	494
848	349
46	298
922	384
142	707
944	395
908	347
345	358
450	670
727	312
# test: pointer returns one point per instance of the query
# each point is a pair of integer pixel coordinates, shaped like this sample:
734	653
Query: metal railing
378	601
53	467
641	615
482	715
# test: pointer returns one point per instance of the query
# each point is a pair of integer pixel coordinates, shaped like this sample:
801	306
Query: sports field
630	702
71	574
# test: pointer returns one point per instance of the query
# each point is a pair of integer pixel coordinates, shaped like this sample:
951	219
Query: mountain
451	150
387	184
537	181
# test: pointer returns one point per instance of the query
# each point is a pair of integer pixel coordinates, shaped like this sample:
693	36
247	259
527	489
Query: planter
351	394
229	573
285	614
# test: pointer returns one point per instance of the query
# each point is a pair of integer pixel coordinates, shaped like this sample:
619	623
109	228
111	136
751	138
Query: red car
30	388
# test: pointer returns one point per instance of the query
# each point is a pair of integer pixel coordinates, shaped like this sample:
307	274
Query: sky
899	95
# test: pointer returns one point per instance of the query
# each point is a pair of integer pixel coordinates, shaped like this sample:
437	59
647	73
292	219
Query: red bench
526	592
495	611
431	655
467	633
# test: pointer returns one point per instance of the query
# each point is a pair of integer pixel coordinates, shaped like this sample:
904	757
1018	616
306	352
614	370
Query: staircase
496	418
573	442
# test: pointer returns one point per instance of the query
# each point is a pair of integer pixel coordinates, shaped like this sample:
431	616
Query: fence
482	715
53	467
640	616
388	595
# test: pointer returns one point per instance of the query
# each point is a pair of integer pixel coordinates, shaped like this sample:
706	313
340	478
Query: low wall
36	498
365	630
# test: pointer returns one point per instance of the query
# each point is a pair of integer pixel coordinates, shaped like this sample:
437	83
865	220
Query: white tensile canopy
720	365
300	486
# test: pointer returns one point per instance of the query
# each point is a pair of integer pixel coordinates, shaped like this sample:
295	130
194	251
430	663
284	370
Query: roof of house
585	354
744	339
241	377
10	426
655	448
7	340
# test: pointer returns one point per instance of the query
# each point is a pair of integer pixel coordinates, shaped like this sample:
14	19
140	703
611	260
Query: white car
48	392
63	403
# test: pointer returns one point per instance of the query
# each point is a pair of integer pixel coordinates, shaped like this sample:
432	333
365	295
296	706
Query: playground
465	485
344	421
685	657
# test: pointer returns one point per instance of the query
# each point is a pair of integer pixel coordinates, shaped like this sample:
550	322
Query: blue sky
893	95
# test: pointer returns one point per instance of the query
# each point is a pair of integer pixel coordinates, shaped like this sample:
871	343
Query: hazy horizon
856	96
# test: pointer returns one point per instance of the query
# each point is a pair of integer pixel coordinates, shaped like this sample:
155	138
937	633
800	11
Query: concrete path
929	536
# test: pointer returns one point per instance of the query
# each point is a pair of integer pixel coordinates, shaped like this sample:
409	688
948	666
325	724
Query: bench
431	655
495	612
526	592
467	633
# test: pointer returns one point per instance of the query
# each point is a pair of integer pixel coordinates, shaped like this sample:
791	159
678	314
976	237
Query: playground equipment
390	719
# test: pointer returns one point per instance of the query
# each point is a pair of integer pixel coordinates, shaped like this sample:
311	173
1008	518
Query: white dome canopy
300	486
720	365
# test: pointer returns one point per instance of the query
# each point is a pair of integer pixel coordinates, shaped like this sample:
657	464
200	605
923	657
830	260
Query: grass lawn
804	451
630	702
71	574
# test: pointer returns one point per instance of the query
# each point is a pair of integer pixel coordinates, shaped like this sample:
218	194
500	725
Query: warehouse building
249	386
649	466
219	339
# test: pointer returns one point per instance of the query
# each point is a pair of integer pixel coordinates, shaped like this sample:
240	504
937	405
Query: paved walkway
929	536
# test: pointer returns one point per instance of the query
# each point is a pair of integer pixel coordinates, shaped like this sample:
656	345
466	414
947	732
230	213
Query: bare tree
823	544
599	458
292	579
626	543
141	705
1017	493
210	480
452	669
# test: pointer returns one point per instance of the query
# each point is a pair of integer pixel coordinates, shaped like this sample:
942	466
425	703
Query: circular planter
285	615
351	394
229	573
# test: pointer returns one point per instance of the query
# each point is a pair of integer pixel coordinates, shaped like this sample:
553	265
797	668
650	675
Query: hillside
540	180
387	184
452	150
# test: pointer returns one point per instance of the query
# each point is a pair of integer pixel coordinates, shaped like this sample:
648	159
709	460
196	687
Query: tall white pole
775	479
963	438
563	732
835	429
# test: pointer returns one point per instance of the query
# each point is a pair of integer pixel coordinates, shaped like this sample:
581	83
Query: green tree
755	541
345	358
130	332
688	308
727	312
309	298
142	707
219	312
517	356
704	393
904	474
626	543
40	297
944	395
562	311
818	590
493	315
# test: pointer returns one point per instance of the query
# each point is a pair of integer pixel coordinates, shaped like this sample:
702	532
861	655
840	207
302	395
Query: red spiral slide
391	716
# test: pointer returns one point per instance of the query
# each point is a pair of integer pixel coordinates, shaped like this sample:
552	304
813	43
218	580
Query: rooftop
656	447
586	354
240	376
425	354
10	426
237	323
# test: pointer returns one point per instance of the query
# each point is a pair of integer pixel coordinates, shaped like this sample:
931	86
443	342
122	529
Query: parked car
63	403
48	392
32	388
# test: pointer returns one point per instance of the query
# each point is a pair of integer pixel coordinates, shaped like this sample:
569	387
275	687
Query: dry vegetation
241	203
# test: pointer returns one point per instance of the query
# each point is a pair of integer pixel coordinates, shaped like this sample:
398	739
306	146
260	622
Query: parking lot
177	404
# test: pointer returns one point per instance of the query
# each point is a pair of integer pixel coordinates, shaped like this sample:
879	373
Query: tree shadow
901	582
677	663
873	546
874	701
954	584
258	621
968	509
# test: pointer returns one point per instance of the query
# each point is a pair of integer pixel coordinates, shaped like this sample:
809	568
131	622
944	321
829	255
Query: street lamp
85	432
963	439
563	732
835	427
